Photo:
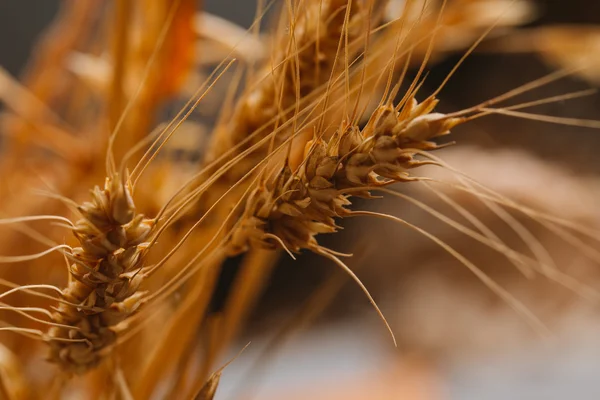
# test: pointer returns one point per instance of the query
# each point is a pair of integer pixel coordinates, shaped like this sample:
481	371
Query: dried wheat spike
293	208
104	277
301	62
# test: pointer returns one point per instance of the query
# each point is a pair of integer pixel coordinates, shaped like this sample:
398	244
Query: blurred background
457	339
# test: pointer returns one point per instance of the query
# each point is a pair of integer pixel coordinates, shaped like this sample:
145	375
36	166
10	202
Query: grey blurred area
240	12
21	21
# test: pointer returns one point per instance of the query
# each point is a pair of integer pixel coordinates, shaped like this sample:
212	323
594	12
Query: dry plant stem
183	324
164	59
121	39
104	277
122	386
248	286
13	385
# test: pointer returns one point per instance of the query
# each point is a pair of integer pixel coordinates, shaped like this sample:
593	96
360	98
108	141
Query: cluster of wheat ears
115	245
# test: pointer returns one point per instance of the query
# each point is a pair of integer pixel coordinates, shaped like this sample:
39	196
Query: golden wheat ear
104	277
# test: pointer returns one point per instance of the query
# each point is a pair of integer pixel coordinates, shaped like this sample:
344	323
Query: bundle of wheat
284	159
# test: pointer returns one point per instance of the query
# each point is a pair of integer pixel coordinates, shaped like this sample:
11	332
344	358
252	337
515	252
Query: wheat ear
105	275
293	207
